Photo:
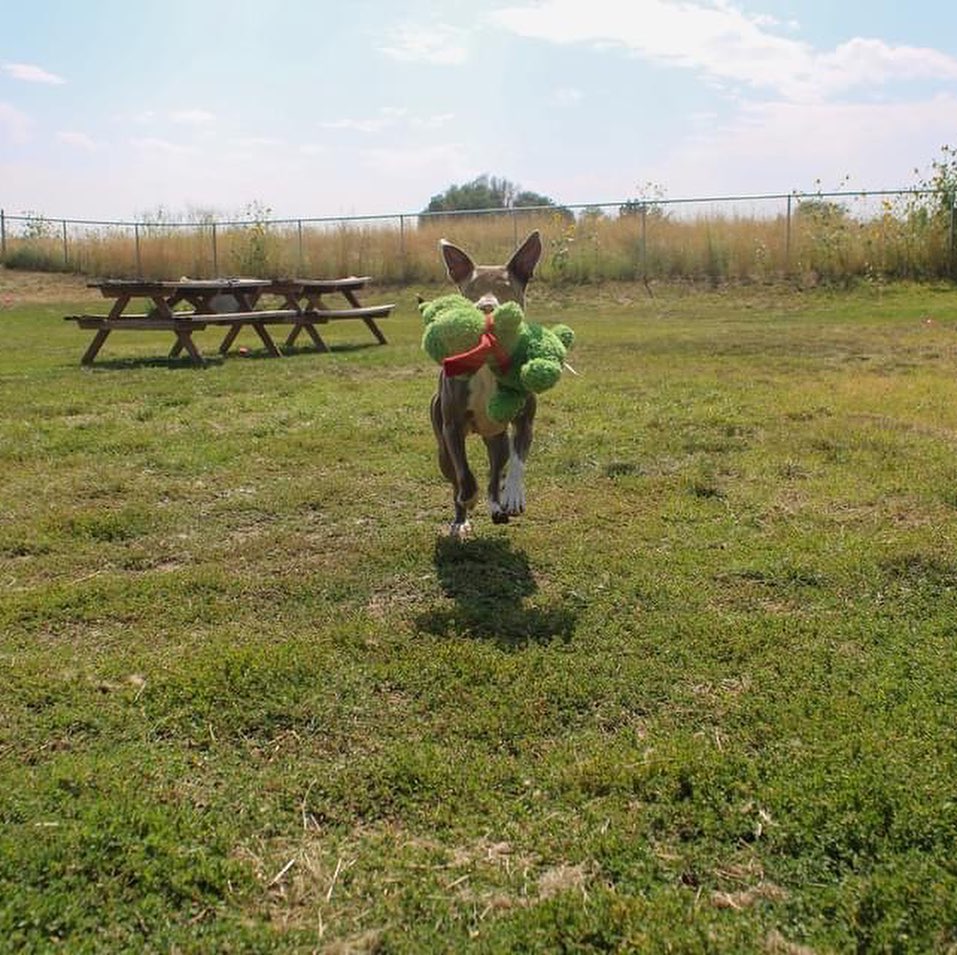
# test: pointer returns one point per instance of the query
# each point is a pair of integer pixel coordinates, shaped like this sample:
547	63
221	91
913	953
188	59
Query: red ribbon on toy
469	362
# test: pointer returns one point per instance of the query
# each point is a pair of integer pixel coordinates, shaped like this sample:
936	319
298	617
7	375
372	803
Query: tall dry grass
817	241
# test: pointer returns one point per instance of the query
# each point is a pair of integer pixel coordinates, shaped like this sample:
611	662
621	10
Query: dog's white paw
460	531
513	494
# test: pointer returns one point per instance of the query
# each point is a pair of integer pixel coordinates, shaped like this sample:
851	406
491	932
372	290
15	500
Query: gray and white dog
459	404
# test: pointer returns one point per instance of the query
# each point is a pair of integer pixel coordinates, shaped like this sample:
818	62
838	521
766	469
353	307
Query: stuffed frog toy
523	356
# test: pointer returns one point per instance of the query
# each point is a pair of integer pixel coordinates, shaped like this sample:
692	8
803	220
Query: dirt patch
563	878
42	288
765	891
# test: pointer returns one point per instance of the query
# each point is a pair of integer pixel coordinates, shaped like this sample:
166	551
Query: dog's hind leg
445	463
466	487
498	453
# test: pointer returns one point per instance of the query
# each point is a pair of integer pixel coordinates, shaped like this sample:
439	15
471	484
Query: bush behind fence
829	237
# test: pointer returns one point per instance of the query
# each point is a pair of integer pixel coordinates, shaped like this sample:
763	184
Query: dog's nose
487	304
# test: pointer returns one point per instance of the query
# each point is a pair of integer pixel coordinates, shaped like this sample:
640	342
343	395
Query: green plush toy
523	356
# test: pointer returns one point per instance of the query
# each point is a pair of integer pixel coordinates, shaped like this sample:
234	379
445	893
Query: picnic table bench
229	303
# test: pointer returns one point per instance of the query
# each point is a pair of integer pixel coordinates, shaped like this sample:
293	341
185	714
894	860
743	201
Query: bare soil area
26	288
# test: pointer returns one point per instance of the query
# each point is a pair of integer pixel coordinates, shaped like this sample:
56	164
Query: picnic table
226	303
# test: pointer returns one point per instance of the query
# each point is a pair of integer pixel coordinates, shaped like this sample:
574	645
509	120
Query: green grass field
701	698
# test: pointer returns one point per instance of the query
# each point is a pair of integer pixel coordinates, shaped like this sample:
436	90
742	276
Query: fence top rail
635	202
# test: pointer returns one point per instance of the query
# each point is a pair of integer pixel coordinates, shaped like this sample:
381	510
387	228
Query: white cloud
861	62
192	117
567	97
80	140
387	116
725	44
258	142
153	144
14	125
440	45
775	147
32	74
433	122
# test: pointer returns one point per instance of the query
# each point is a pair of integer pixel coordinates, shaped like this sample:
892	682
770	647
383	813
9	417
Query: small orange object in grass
243	350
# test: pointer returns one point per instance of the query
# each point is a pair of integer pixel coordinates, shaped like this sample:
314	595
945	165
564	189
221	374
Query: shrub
32	259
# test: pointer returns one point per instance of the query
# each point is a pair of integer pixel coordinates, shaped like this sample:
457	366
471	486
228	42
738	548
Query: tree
525	199
488	192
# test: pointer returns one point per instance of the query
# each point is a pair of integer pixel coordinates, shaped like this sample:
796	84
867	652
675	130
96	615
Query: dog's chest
481	386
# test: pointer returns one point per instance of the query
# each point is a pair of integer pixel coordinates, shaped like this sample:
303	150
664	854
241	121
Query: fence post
953	238
66	251
139	261
299	226
215	254
787	241
3	235
644	242
404	265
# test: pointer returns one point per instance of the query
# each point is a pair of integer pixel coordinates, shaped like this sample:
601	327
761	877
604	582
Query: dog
458	407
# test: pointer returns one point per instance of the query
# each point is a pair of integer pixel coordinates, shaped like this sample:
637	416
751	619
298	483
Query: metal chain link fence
835	236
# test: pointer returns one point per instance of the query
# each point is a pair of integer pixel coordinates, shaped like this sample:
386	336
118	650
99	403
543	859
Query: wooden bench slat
229	318
369	311
239	318
158	324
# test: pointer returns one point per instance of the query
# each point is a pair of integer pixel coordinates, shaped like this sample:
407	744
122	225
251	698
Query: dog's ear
459	265
523	261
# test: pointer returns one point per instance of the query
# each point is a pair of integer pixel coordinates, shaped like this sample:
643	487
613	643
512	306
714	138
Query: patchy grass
701	698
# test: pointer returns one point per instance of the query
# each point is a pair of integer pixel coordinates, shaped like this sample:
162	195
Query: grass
818	242
701	698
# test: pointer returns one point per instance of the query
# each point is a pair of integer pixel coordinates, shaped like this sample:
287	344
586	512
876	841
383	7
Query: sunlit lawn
702	697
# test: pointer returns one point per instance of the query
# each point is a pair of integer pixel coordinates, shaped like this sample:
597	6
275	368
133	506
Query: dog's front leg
466	488
513	494
498	453
448	418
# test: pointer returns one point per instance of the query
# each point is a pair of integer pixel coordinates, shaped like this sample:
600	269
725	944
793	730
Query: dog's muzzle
487	303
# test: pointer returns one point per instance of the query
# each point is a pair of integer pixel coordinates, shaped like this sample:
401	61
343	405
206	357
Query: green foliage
255	252
32	258
942	179
488	192
483	192
647	204
525	199
36	249
702	697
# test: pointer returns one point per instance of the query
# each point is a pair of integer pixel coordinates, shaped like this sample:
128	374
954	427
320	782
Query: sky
115	109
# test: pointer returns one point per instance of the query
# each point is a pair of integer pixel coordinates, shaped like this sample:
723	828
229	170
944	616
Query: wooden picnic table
229	303
306	295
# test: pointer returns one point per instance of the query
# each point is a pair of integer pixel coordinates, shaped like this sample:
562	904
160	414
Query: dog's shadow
490	582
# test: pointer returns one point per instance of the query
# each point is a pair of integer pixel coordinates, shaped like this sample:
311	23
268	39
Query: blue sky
114	108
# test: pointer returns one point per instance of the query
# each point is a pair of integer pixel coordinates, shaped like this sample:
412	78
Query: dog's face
488	286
